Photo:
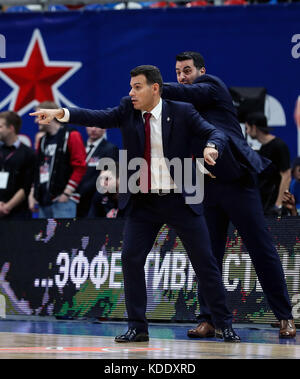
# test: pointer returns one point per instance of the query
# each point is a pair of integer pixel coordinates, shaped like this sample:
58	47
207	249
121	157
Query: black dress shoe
133	336
228	334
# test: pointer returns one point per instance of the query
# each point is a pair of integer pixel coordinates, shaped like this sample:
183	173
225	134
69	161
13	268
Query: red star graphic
35	80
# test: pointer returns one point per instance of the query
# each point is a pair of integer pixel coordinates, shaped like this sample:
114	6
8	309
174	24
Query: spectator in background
276	179
37	139
105	199
17	165
97	147
295	184
59	170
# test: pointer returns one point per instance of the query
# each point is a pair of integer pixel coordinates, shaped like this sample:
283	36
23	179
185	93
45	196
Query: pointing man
163	129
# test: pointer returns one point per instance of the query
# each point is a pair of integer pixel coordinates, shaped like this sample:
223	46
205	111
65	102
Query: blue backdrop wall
84	58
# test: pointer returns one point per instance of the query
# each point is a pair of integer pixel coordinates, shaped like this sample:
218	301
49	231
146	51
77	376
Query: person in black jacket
277	179
16	169
231	191
59	170
97	147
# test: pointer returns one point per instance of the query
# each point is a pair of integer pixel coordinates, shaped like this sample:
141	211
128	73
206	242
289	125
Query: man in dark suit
166	134
97	147
231	192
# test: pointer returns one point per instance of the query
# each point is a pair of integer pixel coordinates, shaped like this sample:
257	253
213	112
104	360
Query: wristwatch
210	144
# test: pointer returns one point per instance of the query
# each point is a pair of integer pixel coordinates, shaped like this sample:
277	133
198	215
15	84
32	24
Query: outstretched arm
203	94
86	117
105	119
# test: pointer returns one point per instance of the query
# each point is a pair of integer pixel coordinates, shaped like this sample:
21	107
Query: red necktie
146	171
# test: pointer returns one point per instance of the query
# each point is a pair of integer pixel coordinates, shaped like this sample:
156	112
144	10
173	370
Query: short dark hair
12	118
152	74
196	57
259	120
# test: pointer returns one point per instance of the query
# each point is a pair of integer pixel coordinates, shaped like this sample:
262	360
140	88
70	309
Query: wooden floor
23	341
39	346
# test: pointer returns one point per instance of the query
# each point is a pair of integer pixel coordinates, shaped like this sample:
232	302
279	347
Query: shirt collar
97	142
16	144
156	111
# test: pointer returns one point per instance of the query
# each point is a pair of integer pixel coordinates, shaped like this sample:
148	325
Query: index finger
35	113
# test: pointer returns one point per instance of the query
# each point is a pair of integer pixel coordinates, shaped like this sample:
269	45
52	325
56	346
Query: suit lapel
166	124
139	124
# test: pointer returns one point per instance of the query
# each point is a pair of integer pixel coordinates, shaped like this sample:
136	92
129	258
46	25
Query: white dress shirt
66	117
160	175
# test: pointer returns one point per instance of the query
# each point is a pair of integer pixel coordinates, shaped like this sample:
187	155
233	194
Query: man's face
95	133
251	130
187	72
143	95
4	130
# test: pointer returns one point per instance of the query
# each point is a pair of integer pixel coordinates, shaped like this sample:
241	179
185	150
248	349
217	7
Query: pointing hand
45	116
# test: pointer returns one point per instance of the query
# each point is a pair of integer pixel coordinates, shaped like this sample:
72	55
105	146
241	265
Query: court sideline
47	339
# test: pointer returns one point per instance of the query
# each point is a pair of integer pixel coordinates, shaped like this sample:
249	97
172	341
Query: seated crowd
59	177
52	7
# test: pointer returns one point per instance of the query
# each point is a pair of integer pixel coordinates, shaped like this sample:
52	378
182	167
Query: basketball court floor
53	339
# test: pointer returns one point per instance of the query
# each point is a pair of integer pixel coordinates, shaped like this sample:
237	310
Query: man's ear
156	87
202	70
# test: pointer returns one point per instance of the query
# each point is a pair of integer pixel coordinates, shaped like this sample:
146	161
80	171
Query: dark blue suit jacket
180	124
211	98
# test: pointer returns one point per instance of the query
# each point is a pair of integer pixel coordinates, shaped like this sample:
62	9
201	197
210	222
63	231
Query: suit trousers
148	214
241	204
